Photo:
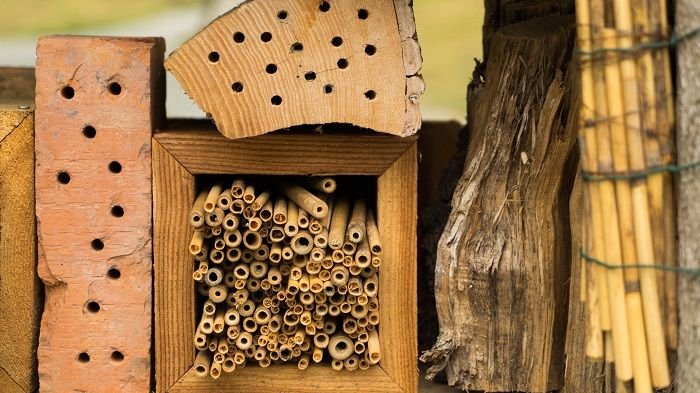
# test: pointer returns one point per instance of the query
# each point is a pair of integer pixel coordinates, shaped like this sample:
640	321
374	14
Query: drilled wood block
273	64
98	100
19	285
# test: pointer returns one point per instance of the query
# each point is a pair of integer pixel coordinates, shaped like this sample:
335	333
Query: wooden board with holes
274	64
98	100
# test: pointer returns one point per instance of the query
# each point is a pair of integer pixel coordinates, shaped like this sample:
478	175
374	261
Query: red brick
70	216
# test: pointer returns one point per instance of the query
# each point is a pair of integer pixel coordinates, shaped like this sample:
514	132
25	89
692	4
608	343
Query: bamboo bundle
276	288
626	128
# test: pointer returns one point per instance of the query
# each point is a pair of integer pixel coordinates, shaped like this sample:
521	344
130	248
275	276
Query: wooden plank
397	218
270	65
98	100
17	84
173	194
198	147
19	285
288	378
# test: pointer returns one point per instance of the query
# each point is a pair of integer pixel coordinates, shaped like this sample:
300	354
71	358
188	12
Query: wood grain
173	194
20	307
198	147
17	84
225	67
397	218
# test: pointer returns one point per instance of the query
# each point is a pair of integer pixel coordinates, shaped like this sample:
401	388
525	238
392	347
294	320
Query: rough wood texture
96	326
504	256
688	18
173	188
269	65
16	84
20	306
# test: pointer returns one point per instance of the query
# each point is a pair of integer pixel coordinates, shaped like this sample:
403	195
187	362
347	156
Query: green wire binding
672	42
667	268
636	175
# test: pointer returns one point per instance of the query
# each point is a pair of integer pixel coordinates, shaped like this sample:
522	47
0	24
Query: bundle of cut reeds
288	275
626	141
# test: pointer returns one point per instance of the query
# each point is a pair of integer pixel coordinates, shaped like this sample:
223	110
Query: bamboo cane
197	213
357	226
224	200
212	197
202	363
373	349
327	185
304	199
249	194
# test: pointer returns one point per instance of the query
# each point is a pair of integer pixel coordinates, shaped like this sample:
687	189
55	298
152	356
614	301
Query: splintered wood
289	275
273	64
626	124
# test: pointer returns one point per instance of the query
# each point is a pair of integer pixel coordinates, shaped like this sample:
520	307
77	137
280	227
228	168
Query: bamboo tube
315	226
219	244
232	317
338	223
280	211
277	234
223	346
359	311
266	212
303	219
352	363
202	363
364	364
262	253
329	327
357	225
252	240
214	218
237	188
304	199
237	206
219	323
355	286
212	197
244	341
196	242
228	366
317	355
258	269
363	256
349	248
200	340
373	348
212	343
262	315
249	194
224	200
217	256
203	289
327	185
218	293
260	201
291	228
214	276
321	239
339	275
373	233
255	224
373	318
340	347
203	254
248	213
233	254
197	212
337	365
215	370
302	243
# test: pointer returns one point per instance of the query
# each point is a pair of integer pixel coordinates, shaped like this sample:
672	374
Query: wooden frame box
187	149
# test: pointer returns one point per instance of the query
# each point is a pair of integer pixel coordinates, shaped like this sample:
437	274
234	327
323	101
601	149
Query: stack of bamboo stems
626	134
288	275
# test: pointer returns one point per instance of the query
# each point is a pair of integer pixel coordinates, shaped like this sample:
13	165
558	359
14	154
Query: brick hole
271	69
93	307
63	177
89	132
362	14
276	100
115	167
68	92
370	94
282	15
117	356
337	41
115	88
343	64
297	47
324	6
310	76
237	87
214	57
114	273
83	357
266	36
117	211
238	37
328	89
370	50
97	245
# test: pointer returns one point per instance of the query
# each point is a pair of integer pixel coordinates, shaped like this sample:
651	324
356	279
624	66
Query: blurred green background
449	33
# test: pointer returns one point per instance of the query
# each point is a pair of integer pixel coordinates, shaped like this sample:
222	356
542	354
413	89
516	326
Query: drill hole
89	132
117	356
362	14
97	245
337	41
83	357
271	69
93	307
117	211
371	94
370	50
237	87
297	47
63	177
310	76
282	15
115	88
214	57
324	6
266	36
68	92
238	37
328	89
343	64
276	100
114	273
115	167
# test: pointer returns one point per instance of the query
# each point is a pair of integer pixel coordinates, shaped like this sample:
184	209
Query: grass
449	32
22	17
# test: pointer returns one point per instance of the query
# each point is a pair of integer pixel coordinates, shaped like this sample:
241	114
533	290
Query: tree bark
504	257
688	138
